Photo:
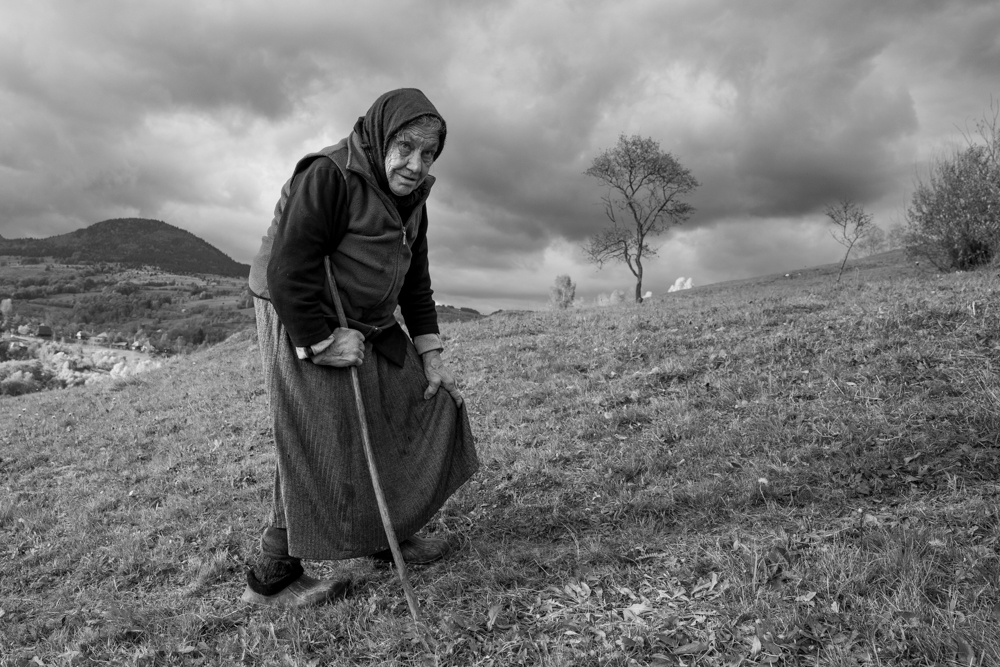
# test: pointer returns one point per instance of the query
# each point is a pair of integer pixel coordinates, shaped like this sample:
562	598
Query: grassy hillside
122	302
782	471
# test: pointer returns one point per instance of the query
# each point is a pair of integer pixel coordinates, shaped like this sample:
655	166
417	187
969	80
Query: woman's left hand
438	374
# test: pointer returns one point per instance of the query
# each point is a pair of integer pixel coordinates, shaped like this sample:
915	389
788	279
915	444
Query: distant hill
131	242
454	314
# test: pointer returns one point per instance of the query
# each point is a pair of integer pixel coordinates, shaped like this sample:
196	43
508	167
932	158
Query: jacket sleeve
312	224
416	298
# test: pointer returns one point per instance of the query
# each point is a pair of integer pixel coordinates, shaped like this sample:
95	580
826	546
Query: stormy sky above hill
194	112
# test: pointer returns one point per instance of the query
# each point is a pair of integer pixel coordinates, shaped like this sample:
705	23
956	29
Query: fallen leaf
635	611
806	597
464	622
706	586
778	554
966	655
492	614
692	647
574	590
732	659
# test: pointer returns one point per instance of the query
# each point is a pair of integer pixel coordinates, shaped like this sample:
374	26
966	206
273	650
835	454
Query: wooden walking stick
383	507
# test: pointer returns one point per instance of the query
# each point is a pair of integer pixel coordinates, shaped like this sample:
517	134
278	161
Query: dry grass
783	471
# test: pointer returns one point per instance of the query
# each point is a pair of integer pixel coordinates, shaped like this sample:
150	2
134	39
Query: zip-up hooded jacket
337	203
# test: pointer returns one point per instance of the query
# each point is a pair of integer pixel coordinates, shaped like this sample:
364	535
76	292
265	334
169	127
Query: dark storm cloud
126	58
80	133
812	119
808	121
194	112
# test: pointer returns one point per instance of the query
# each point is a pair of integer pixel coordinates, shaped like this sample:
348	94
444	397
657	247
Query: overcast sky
194	112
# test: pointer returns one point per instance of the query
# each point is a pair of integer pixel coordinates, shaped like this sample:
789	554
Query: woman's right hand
347	349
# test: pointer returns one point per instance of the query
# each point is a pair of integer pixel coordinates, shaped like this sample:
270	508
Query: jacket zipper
391	208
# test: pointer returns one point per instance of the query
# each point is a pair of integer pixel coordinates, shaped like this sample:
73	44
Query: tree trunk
843	264
638	285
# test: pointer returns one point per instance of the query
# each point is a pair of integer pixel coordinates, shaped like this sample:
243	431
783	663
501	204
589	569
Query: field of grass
786	471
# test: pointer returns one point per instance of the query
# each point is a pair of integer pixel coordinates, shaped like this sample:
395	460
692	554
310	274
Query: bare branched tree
988	129
645	187
851	224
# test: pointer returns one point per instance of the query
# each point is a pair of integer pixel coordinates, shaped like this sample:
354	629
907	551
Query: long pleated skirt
323	494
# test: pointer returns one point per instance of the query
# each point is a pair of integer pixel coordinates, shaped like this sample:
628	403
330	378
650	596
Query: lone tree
561	294
851	224
6	308
645	187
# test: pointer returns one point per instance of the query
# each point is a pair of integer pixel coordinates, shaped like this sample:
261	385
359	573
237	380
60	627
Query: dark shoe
274	582
417	550
270	576
303	592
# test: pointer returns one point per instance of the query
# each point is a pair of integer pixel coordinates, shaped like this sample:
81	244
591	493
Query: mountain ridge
131	242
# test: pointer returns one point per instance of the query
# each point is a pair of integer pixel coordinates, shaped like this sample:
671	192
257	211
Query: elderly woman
362	204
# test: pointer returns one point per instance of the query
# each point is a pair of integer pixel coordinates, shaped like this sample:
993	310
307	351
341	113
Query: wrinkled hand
347	349
439	375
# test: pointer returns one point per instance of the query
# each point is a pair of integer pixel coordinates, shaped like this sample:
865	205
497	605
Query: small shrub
126	288
953	219
18	384
562	294
19	377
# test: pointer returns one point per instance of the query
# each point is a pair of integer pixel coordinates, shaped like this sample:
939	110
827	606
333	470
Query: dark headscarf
391	112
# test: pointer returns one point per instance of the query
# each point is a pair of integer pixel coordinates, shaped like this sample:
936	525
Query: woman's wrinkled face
409	159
